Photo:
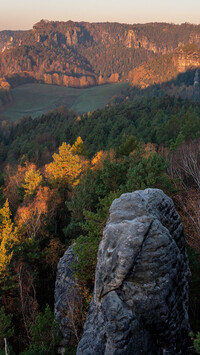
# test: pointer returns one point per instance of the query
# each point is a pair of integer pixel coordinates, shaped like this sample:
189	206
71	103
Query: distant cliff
85	54
166	67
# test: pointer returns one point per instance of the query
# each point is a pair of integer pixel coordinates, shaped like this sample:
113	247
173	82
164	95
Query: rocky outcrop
140	297
68	80
114	78
187	57
83	54
66	295
166	67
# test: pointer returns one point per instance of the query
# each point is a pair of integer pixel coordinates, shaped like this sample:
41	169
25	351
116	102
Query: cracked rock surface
140	297
65	295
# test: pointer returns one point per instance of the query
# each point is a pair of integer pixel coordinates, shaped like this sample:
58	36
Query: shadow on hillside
182	86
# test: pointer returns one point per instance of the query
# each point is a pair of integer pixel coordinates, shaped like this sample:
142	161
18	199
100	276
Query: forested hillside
60	173
84	54
164	121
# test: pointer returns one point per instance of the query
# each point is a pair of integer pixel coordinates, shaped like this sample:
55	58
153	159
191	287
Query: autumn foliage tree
8	239
79	147
21	182
31	217
33	179
65	169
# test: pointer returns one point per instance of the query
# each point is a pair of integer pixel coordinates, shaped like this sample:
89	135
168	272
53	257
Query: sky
23	14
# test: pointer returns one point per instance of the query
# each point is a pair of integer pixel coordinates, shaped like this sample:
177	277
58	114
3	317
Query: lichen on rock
140	297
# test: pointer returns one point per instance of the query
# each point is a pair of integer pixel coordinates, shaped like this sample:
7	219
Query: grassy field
36	99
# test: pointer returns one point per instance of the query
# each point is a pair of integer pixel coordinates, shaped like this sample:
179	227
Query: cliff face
166	67
10	39
66	295
140	297
187	57
84	54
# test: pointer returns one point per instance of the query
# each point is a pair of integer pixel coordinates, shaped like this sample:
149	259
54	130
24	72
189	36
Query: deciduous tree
8	238
65	169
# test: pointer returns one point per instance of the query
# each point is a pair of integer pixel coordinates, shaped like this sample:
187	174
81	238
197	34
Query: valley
37	99
100	188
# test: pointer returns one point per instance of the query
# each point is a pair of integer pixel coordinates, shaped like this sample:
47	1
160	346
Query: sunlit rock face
187	57
83	54
140	298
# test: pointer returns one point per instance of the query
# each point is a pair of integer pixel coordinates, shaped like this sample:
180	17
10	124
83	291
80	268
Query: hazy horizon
106	21
22	15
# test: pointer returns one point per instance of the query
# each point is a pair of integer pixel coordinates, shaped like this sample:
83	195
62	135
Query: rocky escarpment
167	67
10	39
85	54
140	297
187	57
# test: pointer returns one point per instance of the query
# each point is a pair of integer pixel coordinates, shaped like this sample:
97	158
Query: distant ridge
83	54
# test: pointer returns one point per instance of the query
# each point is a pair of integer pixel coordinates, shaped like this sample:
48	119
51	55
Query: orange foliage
97	161
30	216
149	149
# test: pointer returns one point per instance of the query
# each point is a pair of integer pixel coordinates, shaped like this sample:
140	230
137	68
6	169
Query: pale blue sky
23	14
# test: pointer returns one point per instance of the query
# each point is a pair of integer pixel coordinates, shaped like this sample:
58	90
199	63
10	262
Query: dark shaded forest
59	175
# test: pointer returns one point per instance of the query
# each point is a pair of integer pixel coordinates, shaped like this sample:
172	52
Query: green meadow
37	99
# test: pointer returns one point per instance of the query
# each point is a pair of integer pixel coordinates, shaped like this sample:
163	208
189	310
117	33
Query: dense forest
60	173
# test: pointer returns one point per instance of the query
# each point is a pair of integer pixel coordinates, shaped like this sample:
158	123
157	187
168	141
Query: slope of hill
37	99
166	67
85	54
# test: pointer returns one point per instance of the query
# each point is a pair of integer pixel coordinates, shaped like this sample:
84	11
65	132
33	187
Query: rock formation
140	297
80	54
66	294
166	67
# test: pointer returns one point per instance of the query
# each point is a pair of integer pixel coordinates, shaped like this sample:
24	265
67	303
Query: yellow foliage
66	167
8	238
33	179
78	147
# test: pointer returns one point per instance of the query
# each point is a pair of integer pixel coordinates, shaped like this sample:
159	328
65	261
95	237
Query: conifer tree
6	329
